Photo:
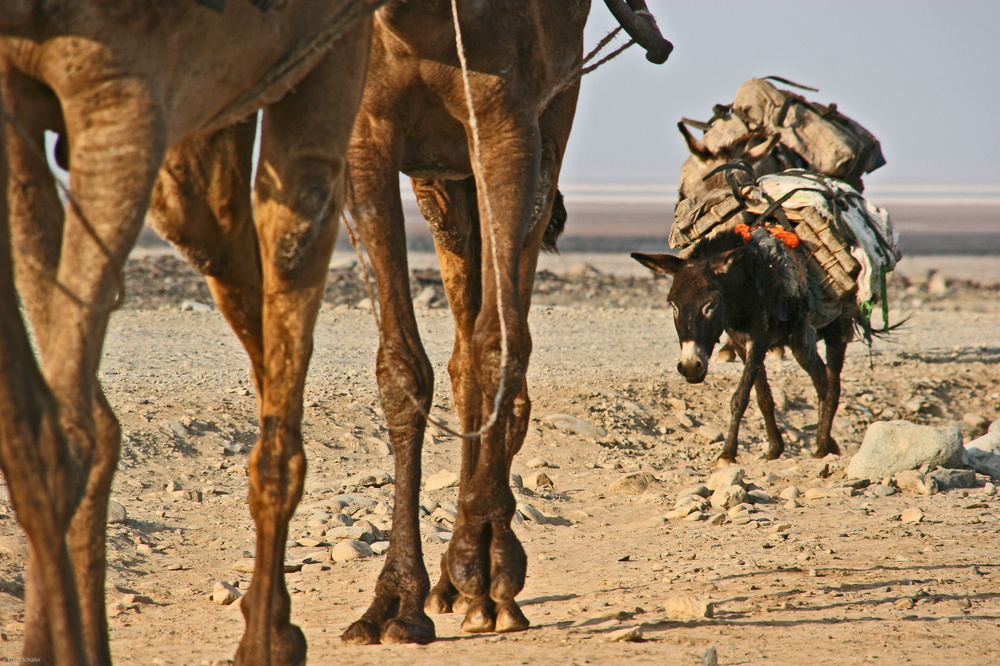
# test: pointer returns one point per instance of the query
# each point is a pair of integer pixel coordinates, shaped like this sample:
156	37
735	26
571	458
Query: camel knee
313	195
499	367
404	381
277	470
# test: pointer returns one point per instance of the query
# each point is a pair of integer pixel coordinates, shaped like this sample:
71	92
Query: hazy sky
922	75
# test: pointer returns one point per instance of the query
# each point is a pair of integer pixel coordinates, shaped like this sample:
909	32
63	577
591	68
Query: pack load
775	130
844	244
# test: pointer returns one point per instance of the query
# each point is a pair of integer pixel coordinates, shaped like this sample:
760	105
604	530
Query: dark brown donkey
486	183
725	285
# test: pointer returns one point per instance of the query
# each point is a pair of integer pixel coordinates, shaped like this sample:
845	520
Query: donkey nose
693	367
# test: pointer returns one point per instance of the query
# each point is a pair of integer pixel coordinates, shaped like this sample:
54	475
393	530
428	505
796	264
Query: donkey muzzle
693	364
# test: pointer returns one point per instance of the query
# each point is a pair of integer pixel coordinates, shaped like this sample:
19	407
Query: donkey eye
709	308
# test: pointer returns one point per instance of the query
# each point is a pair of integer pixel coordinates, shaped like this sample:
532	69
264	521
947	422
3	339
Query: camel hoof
438	604
478	620
399	631
510	617
362	632
461	604
288	646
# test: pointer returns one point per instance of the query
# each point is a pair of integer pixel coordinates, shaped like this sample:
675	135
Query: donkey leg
753	355
300	192
837	336
808	357
765	402
450	210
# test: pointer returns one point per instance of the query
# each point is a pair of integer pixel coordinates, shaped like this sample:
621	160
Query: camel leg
299	195
836	336
754	362
450	209
406	384
765	402
201	204
808	357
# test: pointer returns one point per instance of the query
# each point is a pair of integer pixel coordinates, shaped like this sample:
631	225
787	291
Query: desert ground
835	577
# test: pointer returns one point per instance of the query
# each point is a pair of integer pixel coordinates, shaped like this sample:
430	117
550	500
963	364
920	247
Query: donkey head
696	297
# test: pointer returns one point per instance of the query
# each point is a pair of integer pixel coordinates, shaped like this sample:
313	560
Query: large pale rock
687	607
579	426
728	476
726	497
894	446
983	454
442	480
635	483
350	549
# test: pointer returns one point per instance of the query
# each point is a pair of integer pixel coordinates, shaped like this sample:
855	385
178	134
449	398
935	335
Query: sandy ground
838	580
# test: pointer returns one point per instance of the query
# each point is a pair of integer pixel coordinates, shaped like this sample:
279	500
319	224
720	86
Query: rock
379	446
954	478
912	515
144	549
695	516
710	658
717	519
579	426
536	463
792	504
176	428
310	542
681	512
625	635
224	594
350	549
531	513
994	427
937	285
990	489
372	532
883	490
380	547
540	480
370	479
340	519
917	482
172	486
687	607
726	497
829	493
710	434
516	481
700	491
441	480
789	493
425	297
195	306
352	532
116	512
977	422
635	483
730	476
244	566
758	496
684	419
741	518
894	446
983	454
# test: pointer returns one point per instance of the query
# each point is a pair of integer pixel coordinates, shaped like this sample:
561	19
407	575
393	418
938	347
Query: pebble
792	504
978	422
352	532
578	426
684	420
340	519
536	463
379	446
441	480
990	489
371	479
789	493
738	508
695	517
350	549
681	512
625	635
912	515
116	512
701	491
741	518
195	306
312	568
425	297
309	542
531	513
710	433
916	481
144	549
717	519
729	476
176	427
635	483
224	594
726	497
710	658
829	493
373	532
540	480
883	490
758	496
687	607
516	481
380	547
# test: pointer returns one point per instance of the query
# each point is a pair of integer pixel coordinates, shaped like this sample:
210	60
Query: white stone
224	594
789	493
983	453
441	480
894	446
687	607
726	497
349	549
116	512
728	476
579	426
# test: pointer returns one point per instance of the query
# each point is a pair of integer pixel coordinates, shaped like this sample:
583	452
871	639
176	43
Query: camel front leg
300	192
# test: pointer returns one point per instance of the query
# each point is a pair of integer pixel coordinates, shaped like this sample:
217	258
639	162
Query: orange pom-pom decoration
787	237
744	232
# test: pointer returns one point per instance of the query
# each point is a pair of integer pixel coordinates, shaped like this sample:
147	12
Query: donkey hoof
510	617
479	619
362	632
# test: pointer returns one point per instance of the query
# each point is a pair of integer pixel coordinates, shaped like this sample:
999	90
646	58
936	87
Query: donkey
727	285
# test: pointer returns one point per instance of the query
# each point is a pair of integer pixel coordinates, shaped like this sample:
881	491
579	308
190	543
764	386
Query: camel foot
510	617
480	618
288	646
415	628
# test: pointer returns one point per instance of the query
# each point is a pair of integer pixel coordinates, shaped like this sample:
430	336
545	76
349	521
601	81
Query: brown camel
132	86
485	183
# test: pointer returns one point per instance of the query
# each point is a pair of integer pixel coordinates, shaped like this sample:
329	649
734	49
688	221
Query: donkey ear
725	261
667	264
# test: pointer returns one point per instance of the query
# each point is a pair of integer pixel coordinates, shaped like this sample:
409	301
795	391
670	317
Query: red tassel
743	231
787	237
